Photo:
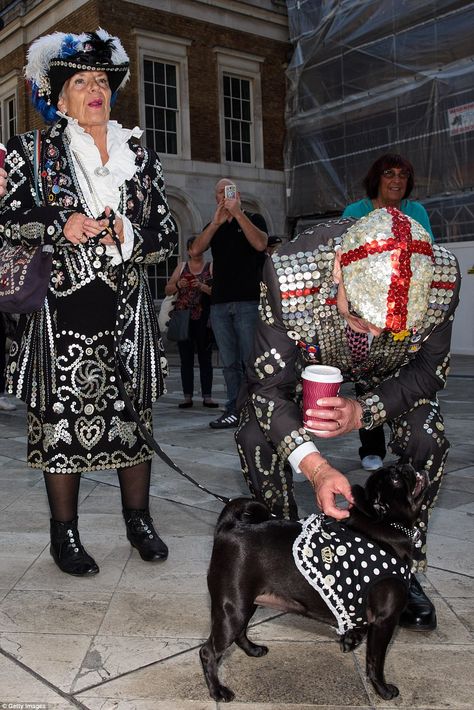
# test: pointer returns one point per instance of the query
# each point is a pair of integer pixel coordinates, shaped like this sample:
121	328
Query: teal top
409	207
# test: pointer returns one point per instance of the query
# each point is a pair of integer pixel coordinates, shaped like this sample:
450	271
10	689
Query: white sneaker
6	405
371	462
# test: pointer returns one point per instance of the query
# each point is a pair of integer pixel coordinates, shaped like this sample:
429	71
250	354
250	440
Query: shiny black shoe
419	613
143	536
67	550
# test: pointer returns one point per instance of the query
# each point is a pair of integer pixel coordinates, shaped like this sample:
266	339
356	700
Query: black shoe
186	404
67	550
225	421
143	536
209	403
419	613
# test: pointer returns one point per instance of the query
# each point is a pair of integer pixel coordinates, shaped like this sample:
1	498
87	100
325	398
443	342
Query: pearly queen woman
95	182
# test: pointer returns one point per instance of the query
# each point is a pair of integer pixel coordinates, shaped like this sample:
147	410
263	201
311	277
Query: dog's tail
242	510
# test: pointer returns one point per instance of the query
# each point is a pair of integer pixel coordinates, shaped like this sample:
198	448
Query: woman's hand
118	228
338	415
79	228
205	288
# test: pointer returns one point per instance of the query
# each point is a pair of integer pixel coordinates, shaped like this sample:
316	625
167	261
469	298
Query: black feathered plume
96	50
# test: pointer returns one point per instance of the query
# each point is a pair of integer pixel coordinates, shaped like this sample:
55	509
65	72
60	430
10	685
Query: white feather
119	55
40	54
46	48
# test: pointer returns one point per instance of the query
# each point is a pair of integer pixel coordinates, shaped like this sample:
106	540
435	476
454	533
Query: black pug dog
259	560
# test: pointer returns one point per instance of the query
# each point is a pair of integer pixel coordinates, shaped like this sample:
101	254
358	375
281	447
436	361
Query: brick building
207	86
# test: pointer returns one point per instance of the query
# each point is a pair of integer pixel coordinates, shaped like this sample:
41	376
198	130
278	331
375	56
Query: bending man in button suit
335	284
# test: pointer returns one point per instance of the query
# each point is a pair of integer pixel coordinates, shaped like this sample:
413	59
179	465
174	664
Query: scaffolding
369	77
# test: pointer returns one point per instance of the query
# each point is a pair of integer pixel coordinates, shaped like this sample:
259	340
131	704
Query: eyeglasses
402	174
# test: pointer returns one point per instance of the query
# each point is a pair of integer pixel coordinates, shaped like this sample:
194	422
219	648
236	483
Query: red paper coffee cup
319	381
3	152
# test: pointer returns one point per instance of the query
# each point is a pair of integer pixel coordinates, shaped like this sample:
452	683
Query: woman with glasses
388	183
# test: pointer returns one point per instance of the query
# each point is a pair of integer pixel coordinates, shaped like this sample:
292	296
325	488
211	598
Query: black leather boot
67	550
419	613
143	536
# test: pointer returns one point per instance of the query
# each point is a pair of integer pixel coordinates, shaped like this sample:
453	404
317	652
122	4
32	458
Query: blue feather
46	110
69	46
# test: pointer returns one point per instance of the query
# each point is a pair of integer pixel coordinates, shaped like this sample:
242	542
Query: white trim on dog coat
341	564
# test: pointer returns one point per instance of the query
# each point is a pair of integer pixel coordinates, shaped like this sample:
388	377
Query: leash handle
120	367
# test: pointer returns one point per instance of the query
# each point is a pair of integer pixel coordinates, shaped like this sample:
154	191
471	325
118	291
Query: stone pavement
128	638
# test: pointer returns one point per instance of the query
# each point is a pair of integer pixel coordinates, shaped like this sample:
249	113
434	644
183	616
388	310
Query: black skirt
86	426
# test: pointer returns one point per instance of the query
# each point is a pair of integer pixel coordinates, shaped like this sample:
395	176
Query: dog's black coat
252	560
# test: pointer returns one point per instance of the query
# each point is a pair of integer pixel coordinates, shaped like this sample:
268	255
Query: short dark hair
371	181
189	242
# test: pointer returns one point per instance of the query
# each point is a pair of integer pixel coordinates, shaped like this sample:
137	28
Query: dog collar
413	533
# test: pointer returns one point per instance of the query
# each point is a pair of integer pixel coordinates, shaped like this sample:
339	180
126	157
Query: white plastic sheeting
374	76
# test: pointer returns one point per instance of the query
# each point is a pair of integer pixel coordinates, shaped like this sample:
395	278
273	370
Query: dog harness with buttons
341	565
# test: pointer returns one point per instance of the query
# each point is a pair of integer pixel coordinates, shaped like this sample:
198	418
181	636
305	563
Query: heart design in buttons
89	431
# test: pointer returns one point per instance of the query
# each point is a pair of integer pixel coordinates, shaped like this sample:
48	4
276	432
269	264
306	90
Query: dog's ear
380	507
368	503
360	500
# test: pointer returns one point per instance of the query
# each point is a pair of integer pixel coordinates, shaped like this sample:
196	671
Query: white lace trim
121	162
121	165
313	575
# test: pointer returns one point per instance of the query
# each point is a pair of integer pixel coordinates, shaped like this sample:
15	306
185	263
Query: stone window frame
243	145
243	66
8	92
169	50
168	133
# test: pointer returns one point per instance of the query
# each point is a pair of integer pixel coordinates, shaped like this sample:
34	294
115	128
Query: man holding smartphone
237	240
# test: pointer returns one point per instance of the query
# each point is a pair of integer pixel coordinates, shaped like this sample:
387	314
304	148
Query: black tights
63	490
135	486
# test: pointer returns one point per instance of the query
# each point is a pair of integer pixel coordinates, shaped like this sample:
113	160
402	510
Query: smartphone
230	192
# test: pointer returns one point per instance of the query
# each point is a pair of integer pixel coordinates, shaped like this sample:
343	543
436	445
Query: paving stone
135	614
127	639
430	676
43	611
18	686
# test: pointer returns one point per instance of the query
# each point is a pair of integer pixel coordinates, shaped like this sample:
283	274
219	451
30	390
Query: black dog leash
152	443
120	368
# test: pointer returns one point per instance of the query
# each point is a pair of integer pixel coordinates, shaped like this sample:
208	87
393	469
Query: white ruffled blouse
106	189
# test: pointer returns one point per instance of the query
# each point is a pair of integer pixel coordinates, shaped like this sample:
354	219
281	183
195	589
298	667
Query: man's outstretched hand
327	482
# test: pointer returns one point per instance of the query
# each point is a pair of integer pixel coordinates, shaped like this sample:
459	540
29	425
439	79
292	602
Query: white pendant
101	171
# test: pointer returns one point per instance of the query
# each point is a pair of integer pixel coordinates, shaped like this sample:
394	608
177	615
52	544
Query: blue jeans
234	329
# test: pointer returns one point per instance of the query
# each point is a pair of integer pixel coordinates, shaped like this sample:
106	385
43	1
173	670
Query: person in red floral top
192	282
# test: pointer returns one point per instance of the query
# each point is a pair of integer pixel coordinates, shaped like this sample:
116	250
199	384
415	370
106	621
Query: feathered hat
54	58
387	269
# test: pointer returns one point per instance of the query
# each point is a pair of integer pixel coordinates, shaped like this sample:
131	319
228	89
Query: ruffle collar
121	162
